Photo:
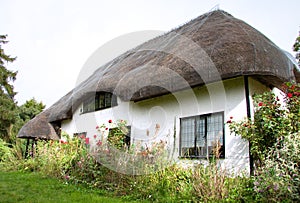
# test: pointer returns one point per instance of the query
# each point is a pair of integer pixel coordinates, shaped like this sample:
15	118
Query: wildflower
231	117
275	187
99	143
87	140
97	127
109	121
106	128
229	121
289	95
260	104
67	177
95	136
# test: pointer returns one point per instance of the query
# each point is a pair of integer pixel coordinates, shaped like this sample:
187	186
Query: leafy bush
6	153
274	137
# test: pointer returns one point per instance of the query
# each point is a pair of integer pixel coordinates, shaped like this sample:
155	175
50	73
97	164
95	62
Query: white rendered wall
167	110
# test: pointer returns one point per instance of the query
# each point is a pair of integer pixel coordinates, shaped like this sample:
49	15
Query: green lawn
32	187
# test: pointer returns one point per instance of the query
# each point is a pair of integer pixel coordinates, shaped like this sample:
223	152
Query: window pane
214	130
101	101
187	130
107	99
200	136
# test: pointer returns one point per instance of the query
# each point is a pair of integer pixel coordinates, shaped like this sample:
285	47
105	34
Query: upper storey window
101	100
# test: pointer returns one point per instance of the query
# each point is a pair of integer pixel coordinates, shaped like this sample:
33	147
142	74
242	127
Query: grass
33	187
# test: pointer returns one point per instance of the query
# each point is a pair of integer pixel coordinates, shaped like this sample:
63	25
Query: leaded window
201	136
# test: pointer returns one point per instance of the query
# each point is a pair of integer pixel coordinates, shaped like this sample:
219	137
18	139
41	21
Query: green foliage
279	178
117	133
24	113
6	153
274	135
7	103
296	48
33	187
30	109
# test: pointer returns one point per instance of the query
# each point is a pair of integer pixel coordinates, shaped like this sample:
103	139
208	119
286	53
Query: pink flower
87	140
289	95
99	143
110	121
95	136
97	127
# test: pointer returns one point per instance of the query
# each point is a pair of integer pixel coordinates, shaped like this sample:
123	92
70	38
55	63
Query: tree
26	112
30	109
7	103
296	48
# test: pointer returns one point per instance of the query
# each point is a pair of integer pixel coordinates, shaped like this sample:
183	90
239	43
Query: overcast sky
53	39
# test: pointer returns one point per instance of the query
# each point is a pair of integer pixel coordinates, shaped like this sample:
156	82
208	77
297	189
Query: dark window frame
194	149
99	101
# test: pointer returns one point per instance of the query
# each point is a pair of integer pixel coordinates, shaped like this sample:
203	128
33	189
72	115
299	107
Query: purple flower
276	187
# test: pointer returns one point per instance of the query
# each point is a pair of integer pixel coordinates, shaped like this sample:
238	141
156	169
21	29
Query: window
101	100
79	135
123	141
200	134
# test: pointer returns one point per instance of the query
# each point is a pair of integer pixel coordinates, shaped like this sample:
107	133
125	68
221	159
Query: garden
71	171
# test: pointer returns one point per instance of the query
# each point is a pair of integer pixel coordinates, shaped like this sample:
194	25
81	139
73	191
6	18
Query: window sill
198	157
94	110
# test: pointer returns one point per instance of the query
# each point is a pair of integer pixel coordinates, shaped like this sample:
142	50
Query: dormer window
99	101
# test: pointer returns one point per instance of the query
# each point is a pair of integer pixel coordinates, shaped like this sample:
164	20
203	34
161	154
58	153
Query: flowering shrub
274	138
117	134
112	148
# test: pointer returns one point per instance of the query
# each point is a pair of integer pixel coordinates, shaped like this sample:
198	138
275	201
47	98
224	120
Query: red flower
87	140
97	127
95	136
106	128
63	142
289	95
110	121
229	121
99	143
231	117
260	104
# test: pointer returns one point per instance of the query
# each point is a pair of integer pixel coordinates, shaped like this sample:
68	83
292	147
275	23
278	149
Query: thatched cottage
186	83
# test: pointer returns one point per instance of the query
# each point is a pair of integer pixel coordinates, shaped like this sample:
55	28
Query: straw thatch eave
38	128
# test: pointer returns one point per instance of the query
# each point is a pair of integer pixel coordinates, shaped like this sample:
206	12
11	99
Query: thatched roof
39	127
212	47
